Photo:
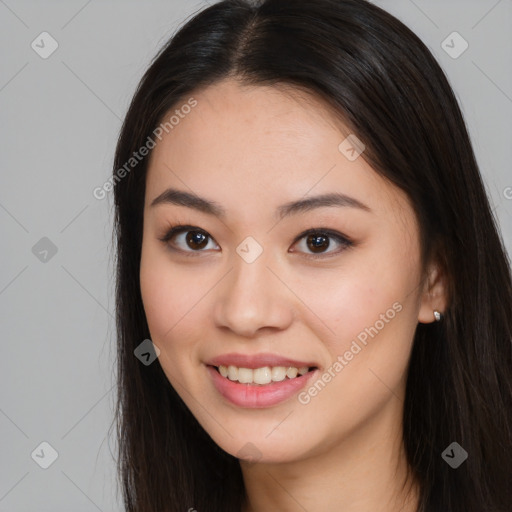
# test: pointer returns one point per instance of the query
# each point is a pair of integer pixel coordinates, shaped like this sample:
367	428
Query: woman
304	236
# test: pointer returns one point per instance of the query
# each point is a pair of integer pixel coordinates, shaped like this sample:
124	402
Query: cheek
369	314
166	302
365	292
168	294
372	316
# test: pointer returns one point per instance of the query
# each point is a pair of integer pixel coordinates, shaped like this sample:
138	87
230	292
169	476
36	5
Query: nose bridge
251	296
251	278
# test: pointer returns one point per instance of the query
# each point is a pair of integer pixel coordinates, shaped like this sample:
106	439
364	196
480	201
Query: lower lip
257	396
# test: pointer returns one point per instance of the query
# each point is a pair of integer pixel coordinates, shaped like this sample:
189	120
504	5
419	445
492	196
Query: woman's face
242	280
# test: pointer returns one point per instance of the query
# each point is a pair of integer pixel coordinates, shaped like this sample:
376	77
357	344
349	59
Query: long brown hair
389	90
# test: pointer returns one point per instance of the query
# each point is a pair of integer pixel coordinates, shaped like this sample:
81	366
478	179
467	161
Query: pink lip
258	396
257	361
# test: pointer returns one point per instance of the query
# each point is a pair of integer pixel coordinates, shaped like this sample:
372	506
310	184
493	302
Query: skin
251	149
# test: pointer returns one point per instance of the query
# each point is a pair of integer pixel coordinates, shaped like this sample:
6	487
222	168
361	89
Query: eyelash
343	240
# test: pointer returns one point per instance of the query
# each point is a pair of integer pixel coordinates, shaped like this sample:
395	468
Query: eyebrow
182	198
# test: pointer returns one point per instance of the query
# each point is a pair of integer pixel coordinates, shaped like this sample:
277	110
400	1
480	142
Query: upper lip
257	361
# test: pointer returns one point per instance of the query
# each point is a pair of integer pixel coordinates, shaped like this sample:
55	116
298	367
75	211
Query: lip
257	361
256	396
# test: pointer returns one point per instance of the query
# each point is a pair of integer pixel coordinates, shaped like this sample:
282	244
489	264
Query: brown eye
196	240
317	243
187	239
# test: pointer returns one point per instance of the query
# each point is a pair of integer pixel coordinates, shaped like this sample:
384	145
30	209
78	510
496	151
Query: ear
434	295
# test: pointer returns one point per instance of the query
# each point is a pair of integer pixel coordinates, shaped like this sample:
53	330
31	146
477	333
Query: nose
252	298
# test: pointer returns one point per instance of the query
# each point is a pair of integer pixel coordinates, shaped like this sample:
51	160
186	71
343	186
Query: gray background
60	121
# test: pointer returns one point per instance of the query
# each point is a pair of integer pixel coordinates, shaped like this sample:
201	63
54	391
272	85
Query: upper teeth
262	375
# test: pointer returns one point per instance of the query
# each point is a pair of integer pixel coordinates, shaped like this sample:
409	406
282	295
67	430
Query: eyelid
342	239
178	229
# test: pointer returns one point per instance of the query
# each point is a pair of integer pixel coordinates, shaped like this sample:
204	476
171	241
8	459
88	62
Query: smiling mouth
264	375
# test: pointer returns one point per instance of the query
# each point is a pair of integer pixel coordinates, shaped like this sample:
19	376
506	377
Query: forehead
246	145
254	119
